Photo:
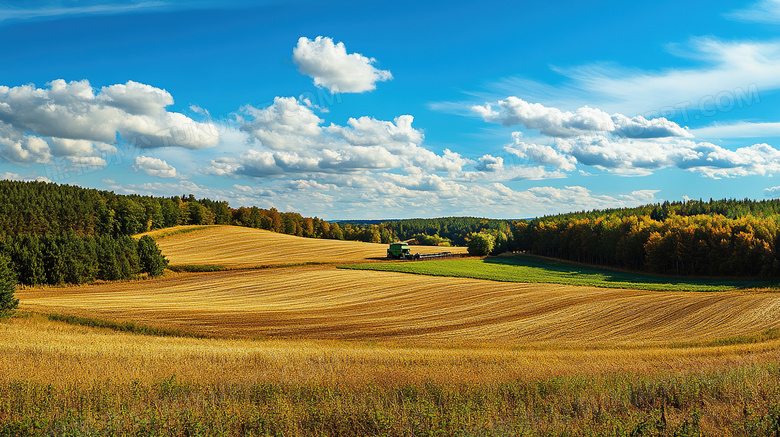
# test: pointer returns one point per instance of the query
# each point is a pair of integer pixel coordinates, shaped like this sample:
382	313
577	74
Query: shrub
480	244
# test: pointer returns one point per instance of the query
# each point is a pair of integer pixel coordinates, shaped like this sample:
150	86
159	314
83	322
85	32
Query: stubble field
239	247
315	350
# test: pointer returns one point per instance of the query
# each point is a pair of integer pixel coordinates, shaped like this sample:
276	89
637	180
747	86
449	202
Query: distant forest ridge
727	237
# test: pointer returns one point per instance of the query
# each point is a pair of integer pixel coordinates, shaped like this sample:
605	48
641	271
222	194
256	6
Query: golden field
314	350
322	302
239	247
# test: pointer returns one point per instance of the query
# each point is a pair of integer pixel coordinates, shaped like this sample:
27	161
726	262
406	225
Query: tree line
712	245
39	208
71	259
716	237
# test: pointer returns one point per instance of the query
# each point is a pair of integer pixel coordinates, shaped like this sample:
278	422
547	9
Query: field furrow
239	247
321	302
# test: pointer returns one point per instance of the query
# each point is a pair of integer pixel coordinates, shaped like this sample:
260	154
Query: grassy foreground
528	269
70	380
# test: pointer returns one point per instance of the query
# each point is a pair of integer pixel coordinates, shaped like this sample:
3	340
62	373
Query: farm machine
401	250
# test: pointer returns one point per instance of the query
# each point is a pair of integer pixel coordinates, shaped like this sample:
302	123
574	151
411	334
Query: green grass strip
131	327
528	269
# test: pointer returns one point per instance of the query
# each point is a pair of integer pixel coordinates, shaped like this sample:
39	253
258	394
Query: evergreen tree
151	259
108	267
7	287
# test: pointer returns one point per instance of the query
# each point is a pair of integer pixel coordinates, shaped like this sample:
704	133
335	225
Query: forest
57	234
717	238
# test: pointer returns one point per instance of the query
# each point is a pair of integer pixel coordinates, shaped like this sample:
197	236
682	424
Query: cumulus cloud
540	153
284	125
75	111
641	157
333	68
24	149
380	194
772	192
287	137
87	161
154	167
308	185
627	146
514	111
17	177
136	98
489	163
10	176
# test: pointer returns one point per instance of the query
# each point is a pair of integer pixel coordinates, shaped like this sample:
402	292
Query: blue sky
365	110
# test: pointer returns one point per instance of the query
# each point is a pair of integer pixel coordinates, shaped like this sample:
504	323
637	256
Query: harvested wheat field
239	247
322	302
85	354
317	350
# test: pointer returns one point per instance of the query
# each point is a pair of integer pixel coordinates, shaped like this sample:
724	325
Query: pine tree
151	259
7	287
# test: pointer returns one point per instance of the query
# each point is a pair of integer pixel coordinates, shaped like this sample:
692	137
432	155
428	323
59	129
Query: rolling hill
239	247
317	350
322	302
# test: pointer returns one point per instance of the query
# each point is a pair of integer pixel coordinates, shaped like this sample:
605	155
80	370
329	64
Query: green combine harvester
401	250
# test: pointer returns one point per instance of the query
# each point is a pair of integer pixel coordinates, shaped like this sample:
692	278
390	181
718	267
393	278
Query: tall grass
739	401
70	380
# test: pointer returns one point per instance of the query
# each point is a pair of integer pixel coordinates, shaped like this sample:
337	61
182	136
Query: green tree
7	287
151	259
480	244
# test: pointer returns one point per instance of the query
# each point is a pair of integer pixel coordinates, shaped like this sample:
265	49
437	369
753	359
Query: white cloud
154	167
17	177
74	111
331	67
136	98
514	111
68	147
308	185
540	153
723	76
763	11
489	163
10	176
24	149
87	161
367	131
772	192
642	157
628	146
284	125
740	129
511	173
733	71
287	137
46	10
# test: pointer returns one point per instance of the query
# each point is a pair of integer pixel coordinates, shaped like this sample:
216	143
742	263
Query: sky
371	110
